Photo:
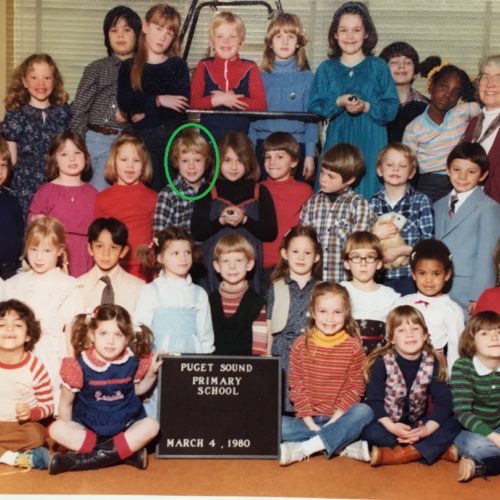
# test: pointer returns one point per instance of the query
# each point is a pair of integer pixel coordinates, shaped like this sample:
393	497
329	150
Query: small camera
230	212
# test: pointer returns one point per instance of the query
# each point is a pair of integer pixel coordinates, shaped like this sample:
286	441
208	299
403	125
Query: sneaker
357	450
292	452
38	458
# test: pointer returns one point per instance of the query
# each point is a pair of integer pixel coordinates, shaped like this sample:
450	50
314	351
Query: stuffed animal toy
393	241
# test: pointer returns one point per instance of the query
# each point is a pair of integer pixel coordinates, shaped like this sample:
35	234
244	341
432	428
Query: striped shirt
476	395
95	99
25	382
431	142
334	222
325	379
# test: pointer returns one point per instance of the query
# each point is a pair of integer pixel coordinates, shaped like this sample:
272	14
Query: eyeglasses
484	79
356	259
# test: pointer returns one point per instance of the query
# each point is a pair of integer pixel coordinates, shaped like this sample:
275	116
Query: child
95	115
238	312
470	229
337	211
288	297
68	197
174	307
404	64
326	380
225	81
281	157
11	218
236	203
153	87
355	90
37	110
101	416
129	168
489	300
107	281
370	301
191	158
401	377
484	129
26	396
476	405
397	164
432	268
433	134
287	82
47	289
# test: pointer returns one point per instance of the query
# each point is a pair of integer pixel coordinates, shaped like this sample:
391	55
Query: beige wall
3	55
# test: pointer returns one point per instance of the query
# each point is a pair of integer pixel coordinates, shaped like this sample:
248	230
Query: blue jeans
335	436
476	446
99	146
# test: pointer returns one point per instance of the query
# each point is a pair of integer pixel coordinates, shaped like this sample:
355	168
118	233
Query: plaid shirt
417	208
334	222
171	209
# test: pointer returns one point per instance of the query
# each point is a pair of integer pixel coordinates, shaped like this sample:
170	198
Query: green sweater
476	398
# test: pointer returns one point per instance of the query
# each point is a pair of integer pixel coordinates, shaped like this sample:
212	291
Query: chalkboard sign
219	406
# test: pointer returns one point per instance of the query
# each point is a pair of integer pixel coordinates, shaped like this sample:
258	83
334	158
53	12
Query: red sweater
323	380
135	207
227	74
288	197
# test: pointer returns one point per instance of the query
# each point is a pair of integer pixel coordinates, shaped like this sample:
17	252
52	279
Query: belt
104	130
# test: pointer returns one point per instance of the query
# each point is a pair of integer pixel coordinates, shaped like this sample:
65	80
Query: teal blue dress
371	81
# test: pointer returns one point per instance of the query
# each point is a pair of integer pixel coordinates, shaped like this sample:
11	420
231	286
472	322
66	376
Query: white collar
481	369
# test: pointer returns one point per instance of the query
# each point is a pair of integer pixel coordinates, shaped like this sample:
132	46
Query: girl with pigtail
101	416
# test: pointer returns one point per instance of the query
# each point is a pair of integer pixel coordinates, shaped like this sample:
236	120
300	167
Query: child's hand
23	412
391	254
495	437
311	424
309	167
176	102
137	117
356	107
156	362
120	117
399	429
384	230
472	306
229	99
232	216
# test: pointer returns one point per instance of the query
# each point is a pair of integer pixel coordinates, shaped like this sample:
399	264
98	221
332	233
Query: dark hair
471	151
356	8
111	19
139	339
345	160
397	49
282	141
117	229
52	169
27	315
431	250
433	69
244	150
282	268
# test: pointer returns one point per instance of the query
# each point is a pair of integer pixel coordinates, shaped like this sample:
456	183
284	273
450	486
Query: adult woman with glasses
484	129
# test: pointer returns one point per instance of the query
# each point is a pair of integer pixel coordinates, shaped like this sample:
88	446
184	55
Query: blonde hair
485	320
5	156
362	239
191	142
395	318
163	15
46	227
289	23
234	242
244	150
401	148
110	169
18	95
226	17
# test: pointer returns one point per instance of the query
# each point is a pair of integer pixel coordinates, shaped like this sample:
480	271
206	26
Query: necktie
108	296
453	203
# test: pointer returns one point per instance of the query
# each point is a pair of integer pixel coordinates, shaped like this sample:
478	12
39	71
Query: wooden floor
316	478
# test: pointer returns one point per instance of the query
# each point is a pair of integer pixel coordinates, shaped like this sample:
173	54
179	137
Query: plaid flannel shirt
173	210
417	208
334	222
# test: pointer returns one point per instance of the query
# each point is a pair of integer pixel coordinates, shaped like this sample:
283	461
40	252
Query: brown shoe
394	456
451	454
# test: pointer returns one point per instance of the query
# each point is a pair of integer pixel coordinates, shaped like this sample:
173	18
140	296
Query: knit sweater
476	395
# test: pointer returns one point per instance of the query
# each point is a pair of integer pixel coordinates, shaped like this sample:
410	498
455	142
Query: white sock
9	457
313	445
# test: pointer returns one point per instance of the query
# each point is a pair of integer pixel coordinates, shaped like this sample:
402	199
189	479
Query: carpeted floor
317	477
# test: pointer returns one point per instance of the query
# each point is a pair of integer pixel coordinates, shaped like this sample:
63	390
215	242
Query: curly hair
18	95
27	316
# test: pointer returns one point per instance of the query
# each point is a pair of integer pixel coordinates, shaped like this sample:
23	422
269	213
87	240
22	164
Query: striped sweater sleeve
42	389
466	384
